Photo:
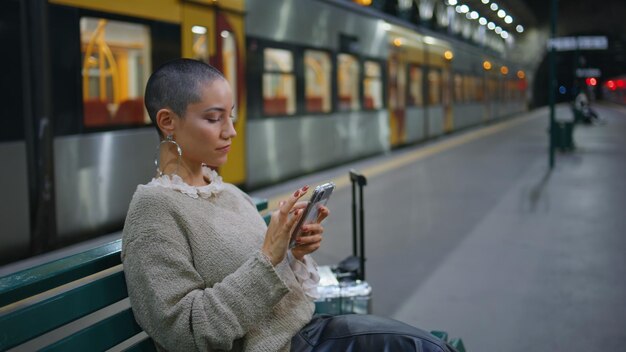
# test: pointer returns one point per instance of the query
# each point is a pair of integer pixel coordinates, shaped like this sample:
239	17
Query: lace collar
175	182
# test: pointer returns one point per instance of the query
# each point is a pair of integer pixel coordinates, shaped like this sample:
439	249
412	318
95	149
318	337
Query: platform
473	234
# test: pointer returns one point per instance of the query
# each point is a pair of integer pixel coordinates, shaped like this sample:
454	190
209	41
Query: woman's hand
311	237
281	225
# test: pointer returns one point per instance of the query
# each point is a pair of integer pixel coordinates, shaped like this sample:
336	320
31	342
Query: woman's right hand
281	225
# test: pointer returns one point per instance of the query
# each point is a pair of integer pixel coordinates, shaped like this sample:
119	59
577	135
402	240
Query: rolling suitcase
342	287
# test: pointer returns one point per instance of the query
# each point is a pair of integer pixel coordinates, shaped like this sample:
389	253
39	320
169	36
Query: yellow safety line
421	153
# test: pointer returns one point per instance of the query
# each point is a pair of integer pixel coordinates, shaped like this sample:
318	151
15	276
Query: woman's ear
166	120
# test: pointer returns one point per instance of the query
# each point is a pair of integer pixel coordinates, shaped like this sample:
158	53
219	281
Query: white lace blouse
305	271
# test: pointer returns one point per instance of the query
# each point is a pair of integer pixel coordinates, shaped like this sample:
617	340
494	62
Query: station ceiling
576	16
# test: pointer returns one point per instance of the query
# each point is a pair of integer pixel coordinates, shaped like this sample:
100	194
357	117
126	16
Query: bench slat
145	345
24	324
30	282
100	336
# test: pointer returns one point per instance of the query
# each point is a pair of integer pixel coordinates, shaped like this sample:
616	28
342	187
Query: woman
203	271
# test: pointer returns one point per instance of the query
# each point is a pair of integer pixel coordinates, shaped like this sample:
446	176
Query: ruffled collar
176	183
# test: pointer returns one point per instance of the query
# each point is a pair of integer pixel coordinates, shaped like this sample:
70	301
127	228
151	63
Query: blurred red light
620	83
593	81
610	84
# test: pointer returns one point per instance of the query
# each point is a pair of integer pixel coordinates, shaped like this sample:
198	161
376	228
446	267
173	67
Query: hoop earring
168	139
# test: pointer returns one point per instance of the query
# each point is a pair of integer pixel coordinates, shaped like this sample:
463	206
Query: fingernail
296	193
305	188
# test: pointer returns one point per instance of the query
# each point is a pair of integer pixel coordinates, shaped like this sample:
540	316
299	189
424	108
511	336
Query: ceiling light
482	21
519	28
452	2
464	9
501	13
485	2
491	25
429	40
508	19
494	6
498	30
198	30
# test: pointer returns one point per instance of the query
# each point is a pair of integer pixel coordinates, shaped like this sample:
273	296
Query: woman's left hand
310	238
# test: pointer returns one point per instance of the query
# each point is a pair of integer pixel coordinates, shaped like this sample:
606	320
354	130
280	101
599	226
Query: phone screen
319	198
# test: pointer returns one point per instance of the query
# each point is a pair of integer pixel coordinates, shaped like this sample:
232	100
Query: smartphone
319	198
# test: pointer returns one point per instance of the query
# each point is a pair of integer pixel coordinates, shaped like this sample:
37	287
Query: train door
483	88
446	99
217	37
396	85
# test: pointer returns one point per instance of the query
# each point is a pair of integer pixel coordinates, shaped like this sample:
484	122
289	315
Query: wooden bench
82	298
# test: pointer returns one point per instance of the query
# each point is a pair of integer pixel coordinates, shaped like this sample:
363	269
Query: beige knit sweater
197	279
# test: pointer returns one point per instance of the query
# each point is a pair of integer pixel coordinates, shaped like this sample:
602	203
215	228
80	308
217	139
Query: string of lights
499	12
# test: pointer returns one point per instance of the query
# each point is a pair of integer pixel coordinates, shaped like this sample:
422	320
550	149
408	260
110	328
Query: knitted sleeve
171	301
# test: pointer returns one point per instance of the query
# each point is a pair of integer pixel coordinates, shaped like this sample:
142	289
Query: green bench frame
40	299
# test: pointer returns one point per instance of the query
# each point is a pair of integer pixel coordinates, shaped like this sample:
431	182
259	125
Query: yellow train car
116	57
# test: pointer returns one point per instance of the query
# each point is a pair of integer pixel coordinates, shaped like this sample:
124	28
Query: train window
348	82
479	88
416	94
434	87
492	89
229	61
469	88
372	86
459	97
397	83
279	84
317	78
446	93
115	67
200	47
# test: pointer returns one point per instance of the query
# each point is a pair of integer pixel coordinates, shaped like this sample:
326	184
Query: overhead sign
578	43
588	72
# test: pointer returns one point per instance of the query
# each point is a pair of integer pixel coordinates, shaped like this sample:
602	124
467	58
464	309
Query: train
317	83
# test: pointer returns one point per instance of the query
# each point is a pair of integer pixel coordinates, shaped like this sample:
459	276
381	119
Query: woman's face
205	133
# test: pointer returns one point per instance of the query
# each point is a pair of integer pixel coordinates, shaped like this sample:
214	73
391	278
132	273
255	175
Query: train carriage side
98	56
438	103
505	88
467	89
317	80
405	86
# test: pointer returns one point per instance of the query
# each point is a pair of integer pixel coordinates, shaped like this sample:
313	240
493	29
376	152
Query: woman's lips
224	149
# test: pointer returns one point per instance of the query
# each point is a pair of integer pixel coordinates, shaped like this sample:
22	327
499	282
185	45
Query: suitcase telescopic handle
358	179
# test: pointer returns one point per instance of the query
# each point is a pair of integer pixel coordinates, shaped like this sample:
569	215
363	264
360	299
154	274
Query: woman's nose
229	130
